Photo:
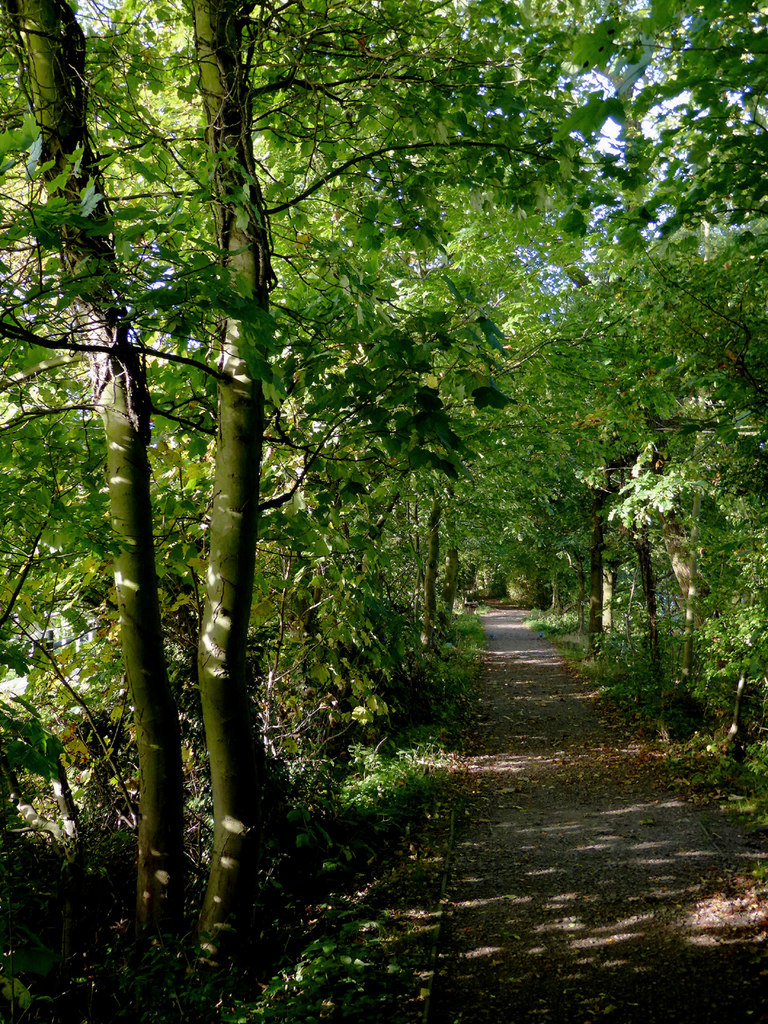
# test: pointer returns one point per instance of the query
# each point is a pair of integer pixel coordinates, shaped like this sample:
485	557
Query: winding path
578	891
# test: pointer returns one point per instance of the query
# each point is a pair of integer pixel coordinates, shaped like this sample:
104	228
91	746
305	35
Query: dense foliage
317	321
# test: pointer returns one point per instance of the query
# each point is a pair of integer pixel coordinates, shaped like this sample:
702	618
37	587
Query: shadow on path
578	891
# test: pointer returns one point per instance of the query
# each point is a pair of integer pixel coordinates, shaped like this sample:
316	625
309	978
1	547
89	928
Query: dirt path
578	891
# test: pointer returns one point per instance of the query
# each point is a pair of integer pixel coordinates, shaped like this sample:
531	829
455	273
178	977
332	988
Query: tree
596	549
370	331
243	241
52	47
431	558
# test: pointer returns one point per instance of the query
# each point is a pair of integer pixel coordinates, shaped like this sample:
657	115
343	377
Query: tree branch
132	818
46	364
36	821
23	334
282	499
23	576
456	143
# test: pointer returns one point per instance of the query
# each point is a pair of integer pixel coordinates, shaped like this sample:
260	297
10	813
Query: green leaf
89	200
590	118
429	399
489	396
573	222
35	152
34	959
493	333
595	49
452	288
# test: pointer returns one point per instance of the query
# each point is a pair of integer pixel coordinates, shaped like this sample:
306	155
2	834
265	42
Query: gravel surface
578	889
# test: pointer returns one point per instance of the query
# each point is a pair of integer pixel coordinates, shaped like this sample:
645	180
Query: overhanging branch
67	344
457	142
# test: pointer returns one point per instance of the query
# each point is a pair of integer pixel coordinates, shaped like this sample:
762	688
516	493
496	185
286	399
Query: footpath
578	890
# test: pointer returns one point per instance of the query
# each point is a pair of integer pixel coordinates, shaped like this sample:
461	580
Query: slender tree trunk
580	596
418	585
642	546
244	243
66	838
229	727
691	596
596	549
609	583
630	602
158	740
556	605
678	546
54	48
429	616
734	733
71	881
450	582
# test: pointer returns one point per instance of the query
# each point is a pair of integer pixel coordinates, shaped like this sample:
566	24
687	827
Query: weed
553	625
343	973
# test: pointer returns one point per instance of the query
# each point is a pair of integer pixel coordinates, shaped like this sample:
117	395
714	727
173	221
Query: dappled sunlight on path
578	891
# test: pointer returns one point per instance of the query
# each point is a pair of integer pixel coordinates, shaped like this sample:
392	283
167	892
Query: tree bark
244	243
429	616
630	602
450	582
556	605
691	596
53	46
71	882
609	584
580	596
678	545
734	733
596	549
642	545
161	800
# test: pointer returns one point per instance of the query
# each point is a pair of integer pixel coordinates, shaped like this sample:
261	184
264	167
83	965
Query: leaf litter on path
580	889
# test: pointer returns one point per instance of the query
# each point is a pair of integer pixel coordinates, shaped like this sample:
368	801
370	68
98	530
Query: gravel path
578	890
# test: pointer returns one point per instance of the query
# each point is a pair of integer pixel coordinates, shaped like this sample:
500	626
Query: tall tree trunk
734	738
244	242
630	602
609	585
161	801
450	582
556	605
642	546
691	596
71	882
418	585
596	549
580	596
678	545
53	45
429	616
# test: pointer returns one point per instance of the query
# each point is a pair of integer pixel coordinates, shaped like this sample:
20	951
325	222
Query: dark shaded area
579	890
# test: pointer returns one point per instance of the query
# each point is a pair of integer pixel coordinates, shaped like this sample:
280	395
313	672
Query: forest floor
580	888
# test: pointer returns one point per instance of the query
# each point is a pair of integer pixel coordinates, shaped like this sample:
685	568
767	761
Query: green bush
553	624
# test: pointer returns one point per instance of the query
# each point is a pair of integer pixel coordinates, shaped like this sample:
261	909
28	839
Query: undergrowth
698	755
326	948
